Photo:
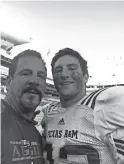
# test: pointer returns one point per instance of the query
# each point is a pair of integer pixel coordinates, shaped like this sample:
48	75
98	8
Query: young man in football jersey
70	125
20	141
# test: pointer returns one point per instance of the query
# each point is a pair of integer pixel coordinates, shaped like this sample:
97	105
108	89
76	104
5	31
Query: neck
67	102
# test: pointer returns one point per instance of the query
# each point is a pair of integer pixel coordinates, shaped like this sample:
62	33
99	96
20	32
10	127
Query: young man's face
68	77
27	86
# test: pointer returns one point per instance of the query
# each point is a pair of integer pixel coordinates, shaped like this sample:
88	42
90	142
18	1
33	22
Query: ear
86	77
8	81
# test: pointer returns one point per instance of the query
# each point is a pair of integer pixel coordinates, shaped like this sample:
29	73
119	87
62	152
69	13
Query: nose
33	80
65	73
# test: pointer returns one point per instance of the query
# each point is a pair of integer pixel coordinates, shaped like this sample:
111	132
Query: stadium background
9	42
95	29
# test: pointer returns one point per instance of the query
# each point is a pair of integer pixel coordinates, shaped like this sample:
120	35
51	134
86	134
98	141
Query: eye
57	70
25	73
72	67
42	75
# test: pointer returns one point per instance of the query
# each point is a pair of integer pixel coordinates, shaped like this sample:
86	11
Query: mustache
33	88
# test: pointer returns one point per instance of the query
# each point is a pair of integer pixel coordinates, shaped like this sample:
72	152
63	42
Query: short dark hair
69	51
14	62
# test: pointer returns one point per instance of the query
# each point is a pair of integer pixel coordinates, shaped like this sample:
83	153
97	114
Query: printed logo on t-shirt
61	122
25	150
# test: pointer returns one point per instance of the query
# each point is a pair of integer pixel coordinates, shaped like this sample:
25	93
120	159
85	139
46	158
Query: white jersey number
87	151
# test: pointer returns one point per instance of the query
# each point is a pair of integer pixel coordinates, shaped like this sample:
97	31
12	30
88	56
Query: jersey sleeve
109	120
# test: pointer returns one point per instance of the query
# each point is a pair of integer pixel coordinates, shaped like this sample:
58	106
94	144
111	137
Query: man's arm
109	120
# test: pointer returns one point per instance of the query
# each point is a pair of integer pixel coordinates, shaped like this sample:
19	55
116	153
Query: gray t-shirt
21	143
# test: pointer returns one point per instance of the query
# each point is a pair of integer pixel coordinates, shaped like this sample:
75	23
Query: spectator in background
21	142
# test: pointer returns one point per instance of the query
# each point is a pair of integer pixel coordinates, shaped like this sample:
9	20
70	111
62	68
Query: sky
94	29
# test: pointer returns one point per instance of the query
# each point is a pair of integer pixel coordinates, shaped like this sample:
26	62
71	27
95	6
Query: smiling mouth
66	83
32	91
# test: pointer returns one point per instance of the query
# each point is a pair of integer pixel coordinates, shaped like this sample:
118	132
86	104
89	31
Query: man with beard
72	131
21	142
